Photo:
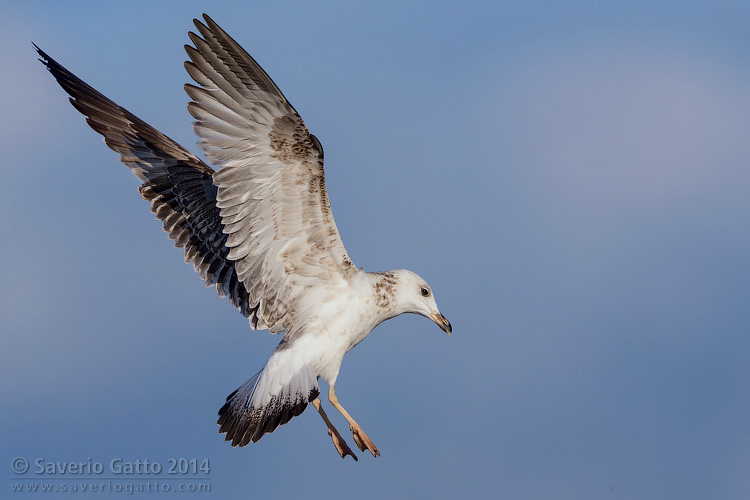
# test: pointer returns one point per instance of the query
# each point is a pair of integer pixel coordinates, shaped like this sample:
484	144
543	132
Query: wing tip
210	22
206	23
44	58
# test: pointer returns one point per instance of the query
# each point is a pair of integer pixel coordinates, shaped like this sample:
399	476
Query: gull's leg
364	442
338	441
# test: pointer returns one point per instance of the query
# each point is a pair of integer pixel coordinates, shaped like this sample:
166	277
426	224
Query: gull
259	229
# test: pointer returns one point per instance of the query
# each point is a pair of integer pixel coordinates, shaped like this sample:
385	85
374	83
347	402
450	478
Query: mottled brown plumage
260	229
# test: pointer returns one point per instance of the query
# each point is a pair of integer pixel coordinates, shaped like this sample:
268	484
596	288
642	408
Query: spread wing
272	197
260	229
178	185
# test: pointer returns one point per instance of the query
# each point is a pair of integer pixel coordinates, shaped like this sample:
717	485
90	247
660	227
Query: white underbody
339	322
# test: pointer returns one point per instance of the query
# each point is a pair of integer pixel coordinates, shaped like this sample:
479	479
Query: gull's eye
425	292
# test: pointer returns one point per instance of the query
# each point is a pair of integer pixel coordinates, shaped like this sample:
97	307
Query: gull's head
414	295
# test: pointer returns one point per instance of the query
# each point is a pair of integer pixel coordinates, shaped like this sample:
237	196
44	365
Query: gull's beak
443	323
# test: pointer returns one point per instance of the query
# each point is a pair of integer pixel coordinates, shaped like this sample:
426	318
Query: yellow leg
338	441
364	442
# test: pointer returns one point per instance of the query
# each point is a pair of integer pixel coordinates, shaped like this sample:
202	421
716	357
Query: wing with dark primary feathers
261	228
177	183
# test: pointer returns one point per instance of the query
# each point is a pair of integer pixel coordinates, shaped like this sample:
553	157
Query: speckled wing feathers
260	228
178	185
271	188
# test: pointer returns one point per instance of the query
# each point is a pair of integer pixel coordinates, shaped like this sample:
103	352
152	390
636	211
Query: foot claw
341	445
364	442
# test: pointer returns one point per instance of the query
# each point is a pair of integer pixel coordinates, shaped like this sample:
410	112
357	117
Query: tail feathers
260	405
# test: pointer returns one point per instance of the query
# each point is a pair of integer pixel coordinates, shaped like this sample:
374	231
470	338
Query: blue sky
571	178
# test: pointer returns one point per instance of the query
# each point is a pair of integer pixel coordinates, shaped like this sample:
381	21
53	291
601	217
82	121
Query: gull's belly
339	320
334	338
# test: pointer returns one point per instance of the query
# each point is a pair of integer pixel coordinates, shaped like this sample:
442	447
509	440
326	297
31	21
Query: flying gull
260	229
